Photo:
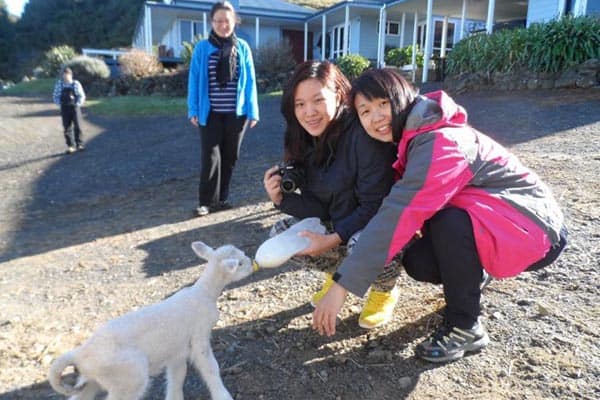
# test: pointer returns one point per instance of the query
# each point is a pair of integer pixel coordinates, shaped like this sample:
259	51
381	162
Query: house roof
266	8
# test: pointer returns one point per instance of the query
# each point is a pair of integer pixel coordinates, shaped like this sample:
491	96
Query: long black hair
387	83
297	140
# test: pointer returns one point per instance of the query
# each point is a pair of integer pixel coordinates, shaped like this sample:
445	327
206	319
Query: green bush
55	58
549	47
139	64
88	69
352	65
400	56
188	50
561	44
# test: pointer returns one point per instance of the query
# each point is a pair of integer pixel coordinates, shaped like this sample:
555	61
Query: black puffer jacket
350	188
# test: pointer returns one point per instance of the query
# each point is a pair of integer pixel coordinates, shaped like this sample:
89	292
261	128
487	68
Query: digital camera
292	177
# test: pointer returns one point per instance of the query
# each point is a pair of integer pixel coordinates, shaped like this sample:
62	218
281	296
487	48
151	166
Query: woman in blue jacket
221	98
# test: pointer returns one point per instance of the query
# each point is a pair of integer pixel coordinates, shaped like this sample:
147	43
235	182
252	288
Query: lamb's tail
55	374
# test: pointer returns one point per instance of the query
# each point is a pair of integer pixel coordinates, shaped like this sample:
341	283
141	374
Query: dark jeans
70	120
220	142
447	254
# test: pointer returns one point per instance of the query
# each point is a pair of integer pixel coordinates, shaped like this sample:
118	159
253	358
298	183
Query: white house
166	25
363	27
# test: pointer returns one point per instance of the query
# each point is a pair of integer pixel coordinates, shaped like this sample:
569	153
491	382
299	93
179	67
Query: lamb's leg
205	361
175	377
89	391
127	378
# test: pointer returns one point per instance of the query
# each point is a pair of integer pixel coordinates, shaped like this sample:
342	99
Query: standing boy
69	95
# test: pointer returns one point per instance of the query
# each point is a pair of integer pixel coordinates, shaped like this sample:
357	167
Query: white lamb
121	355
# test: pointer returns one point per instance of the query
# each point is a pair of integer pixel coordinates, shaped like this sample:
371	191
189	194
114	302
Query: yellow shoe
379	308
326	285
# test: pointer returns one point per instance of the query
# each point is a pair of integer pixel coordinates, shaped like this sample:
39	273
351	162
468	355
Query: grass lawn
115	106
36	86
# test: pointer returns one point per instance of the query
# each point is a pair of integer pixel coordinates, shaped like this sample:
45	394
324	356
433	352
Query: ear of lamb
202	250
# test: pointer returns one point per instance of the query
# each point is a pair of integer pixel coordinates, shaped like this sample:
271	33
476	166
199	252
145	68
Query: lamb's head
230	261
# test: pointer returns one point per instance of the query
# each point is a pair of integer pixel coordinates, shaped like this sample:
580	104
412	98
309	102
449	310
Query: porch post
413	60
257	32
148	29
561	8
346	33
579	8
463	17
428	41
306	41
402	26
444	37
381	39
323	37
205	33
489	25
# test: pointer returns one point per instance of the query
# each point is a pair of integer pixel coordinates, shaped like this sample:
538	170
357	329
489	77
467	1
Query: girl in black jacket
342	176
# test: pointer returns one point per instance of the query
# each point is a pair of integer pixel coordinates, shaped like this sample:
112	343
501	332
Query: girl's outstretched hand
327	309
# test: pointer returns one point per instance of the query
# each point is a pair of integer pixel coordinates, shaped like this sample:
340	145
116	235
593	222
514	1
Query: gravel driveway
90	236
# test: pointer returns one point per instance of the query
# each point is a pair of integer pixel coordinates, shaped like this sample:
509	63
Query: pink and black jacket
443	162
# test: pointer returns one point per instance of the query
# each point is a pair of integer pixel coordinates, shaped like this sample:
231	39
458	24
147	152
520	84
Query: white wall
542	11
368	38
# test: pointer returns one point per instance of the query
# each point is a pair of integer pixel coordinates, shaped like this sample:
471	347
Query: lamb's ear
230	264
202	250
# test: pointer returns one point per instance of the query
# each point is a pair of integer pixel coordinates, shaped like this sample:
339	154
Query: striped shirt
222	99
77	88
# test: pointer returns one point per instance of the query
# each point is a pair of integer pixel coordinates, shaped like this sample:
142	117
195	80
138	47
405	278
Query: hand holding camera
292	177
283	178
272	183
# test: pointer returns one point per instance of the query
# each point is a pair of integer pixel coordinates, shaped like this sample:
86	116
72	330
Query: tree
7	42
76	23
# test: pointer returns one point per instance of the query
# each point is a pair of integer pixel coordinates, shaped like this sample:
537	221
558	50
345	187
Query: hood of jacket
432	111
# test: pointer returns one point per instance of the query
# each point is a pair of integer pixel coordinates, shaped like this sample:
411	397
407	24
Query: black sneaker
451	343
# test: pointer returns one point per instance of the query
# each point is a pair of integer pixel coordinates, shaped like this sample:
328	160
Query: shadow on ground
251	355
142	172
136	173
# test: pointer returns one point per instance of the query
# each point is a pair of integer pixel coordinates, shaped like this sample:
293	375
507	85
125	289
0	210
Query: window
337	41
189	29
437	36
392	28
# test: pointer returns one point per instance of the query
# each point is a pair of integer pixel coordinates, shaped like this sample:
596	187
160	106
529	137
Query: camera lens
288	186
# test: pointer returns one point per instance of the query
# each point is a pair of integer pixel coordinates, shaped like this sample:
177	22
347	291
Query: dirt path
87	237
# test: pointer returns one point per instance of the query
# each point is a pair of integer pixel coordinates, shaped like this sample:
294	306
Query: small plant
139	64
400	56
352	65
88	69
188	50
55	58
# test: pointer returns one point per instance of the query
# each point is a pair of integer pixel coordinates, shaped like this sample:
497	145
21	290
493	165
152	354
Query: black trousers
447	254
71	115
220	142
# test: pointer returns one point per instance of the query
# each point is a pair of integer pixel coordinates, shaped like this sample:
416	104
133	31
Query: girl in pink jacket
463	207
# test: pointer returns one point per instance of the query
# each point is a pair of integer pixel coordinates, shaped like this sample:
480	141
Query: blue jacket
198	102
